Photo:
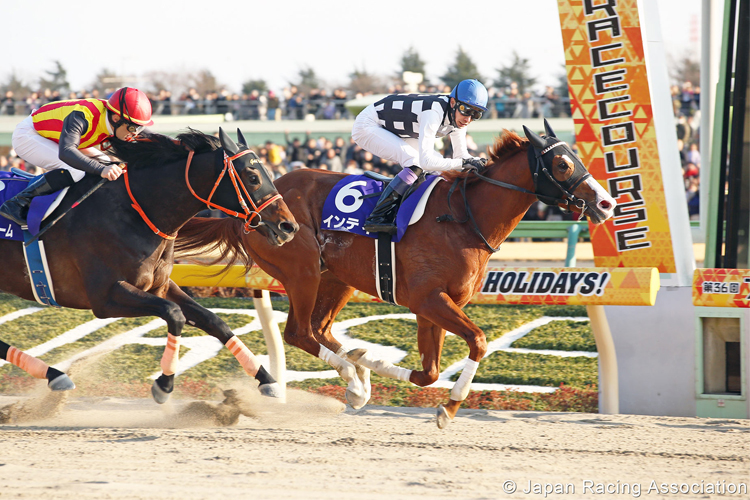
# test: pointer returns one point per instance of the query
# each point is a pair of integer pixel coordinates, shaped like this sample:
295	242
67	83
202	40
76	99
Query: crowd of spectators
292	103
340	156
337	155
686	105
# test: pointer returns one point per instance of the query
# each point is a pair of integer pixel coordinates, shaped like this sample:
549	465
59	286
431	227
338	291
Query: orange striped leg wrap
34	367
171	355
244	355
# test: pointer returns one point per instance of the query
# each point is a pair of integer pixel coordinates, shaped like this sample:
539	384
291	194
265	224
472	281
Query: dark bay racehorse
113	253
440	262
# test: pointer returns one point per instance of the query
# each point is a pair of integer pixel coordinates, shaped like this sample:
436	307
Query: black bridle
547	189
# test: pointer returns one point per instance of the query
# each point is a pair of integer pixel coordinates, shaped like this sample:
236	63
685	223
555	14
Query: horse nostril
288	227
605	205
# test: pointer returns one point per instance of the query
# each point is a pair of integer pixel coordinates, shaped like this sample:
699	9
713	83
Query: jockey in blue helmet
469	99
403	128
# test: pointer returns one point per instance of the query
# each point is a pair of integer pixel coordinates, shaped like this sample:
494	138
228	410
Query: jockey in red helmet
403	128
60	137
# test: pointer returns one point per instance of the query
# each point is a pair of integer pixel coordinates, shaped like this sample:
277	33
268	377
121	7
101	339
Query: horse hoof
355	354
356	401
61	383
162	388
270	390
443	419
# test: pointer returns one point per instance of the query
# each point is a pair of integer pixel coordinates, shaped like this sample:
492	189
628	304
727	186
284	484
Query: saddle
12	183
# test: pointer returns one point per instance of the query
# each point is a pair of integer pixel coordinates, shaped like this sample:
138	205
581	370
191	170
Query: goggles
467	110
134	129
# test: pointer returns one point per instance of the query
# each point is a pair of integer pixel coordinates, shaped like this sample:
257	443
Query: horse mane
505	146
155	149
201	236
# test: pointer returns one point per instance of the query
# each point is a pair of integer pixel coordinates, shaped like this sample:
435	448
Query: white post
609	389
274	343
711	35
671	170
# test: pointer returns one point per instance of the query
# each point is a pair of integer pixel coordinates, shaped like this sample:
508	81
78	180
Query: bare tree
204	81
176	82
16	85
685	69
105	80
361	81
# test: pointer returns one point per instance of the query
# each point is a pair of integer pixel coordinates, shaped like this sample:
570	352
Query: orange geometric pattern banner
501	285
569	286
721	287
615	132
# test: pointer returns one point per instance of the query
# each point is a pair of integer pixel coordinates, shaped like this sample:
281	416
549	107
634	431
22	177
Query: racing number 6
349	191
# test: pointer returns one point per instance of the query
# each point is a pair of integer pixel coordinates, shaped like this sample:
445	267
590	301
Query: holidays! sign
569	286
615	132
501	285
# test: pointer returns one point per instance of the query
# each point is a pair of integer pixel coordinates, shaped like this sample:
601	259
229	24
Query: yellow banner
721	287
615	132
569	286
501	285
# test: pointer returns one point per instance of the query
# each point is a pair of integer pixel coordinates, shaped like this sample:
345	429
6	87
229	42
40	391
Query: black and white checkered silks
402	128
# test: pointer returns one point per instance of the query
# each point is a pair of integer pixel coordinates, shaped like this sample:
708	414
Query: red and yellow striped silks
48	120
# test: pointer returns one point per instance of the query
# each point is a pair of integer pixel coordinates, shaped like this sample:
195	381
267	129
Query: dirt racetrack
102	448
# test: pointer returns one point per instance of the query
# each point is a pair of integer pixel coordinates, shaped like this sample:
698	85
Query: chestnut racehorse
113	252
440	261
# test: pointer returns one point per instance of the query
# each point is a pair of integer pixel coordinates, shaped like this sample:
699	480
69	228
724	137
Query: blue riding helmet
471	92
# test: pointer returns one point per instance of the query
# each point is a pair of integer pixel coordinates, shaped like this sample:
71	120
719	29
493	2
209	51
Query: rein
248	214
469	215
140	211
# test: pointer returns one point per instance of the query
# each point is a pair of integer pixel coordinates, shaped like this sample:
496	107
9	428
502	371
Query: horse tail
202	236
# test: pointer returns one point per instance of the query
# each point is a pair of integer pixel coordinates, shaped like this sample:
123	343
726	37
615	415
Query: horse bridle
580	174
254	198
535	158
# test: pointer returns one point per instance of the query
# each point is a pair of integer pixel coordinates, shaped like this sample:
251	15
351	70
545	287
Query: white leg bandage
384	368
332	359
463	384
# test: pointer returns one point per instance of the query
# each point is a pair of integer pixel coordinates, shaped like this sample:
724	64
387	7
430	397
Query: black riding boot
383	216
17	208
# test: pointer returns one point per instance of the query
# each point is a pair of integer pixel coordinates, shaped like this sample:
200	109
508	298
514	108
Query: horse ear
227	143
241	139
535	140
548	130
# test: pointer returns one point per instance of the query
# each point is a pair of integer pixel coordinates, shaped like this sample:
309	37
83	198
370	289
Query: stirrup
381	226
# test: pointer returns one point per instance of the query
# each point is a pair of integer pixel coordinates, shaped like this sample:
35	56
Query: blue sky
241	40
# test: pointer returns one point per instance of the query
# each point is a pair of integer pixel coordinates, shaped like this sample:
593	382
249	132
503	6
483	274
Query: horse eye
564	167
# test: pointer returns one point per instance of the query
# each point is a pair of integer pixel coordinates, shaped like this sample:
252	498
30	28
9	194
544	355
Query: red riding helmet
132	105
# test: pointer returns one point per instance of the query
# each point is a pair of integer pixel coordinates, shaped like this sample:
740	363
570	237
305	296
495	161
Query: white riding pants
44	152
370	136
